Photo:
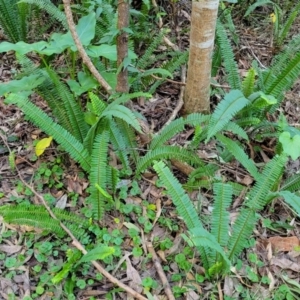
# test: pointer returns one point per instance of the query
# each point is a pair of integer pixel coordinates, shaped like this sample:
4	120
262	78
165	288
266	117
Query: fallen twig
160	272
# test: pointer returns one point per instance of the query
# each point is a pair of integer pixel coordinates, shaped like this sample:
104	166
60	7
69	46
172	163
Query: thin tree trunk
122	46
202	35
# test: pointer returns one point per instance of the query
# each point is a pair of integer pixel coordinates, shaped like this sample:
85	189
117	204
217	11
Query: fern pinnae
230	64
291	184
220	215
240	155
63	137
98	173
248	83
167	152
232	103
237	130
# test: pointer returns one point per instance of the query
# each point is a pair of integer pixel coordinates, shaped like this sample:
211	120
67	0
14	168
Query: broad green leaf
107	51
290	145
25	84
292	200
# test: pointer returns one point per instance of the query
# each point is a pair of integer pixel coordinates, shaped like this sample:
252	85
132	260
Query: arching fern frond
237	130
248	83
230	64
167	152
98	174
63	137
291	184
232	103
239	154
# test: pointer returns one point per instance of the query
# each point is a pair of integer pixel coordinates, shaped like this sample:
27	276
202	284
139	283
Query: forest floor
29	260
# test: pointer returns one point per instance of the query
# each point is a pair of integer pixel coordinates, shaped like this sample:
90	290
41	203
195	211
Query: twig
75	242
220	291
160	24
86	60
160	272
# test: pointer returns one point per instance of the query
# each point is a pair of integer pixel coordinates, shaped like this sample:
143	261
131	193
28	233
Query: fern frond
291	184
230	64
248	83
183	204
247	121
51	9
292	200
175	127
237	130
285	79
73	110
97	104
38	217
255	200
220	215
98	174
240	155
167	152
63	137
123	113
232	103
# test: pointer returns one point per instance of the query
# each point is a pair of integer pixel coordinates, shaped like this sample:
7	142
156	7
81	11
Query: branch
86	60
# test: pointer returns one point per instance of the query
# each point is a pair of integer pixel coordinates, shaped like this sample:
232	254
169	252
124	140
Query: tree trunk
202	35
122	46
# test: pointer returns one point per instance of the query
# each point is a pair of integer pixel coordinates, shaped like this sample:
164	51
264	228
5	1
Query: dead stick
86	60
75	242
160	272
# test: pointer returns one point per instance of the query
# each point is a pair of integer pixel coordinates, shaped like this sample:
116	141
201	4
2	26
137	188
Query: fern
175	127
237	130
232	103
230	64
13	20
255	201
248	83
63	137
38	217
292	200
51	9
291	184
98	174
167	152
239	154
220	215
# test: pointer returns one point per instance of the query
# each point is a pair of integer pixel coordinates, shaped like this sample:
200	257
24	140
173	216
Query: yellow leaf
273	17
151	206
42	145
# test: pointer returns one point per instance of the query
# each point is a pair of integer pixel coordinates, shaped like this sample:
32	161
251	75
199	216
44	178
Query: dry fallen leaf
284	243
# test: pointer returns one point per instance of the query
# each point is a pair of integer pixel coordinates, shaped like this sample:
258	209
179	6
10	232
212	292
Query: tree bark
122	46
202	35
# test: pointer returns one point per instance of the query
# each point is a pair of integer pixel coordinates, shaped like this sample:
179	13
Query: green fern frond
51	9
232	103
230	64
123	113
183	204
73	110
38	217
119	144
237	130
239	154
291	184
63	137
242	230
175	127
220	215
167	152
248	83
256	199
97	104
98	174
285	79
13	20
247	121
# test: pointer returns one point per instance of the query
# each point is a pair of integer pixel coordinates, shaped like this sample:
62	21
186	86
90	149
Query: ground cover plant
197	206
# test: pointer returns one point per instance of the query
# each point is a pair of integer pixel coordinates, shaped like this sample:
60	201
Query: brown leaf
133	274
10	249
285	263
284	243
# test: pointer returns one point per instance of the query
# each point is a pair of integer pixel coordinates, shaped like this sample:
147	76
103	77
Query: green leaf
290	145
292	200
99	252
25	84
